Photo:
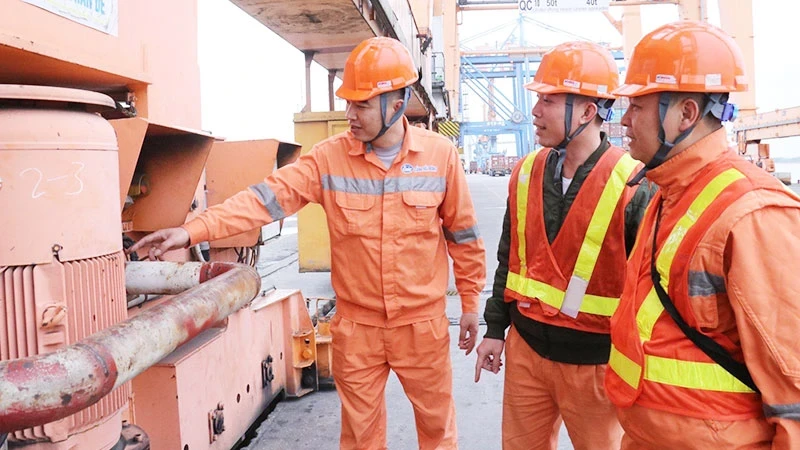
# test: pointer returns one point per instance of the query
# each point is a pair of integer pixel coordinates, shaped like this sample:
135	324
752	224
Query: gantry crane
478	68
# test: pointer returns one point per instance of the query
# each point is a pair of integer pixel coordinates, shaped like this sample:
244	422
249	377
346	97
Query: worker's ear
397	104
588	112
690	112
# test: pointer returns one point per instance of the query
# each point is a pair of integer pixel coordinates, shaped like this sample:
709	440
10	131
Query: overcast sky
253	81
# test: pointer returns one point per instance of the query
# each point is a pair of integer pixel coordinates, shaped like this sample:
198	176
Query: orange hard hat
685	56
581	68
375	66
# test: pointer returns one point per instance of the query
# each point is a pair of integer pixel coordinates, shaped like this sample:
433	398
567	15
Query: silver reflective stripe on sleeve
269	200
462	236
703	284
788	412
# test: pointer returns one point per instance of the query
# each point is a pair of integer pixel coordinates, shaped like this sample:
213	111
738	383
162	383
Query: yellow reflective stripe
592	304
599	306
624	367
601	218
648	314
535	289
692	375
523	187
706	197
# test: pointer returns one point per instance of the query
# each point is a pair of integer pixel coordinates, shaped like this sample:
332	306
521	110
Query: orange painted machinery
100	143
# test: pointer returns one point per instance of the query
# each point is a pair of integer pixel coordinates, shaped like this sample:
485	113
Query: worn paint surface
161	277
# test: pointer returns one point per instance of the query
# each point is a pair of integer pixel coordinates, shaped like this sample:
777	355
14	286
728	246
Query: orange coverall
390	232
748	259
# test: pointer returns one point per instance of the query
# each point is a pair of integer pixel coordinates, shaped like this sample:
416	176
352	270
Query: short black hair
399	94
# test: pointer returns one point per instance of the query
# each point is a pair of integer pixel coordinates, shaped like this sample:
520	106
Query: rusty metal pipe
51	386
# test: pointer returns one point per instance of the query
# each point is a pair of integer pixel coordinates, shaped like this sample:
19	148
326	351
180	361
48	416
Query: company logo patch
572	83
666	79
408	168
384	84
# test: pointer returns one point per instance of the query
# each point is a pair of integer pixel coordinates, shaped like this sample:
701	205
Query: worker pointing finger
490	352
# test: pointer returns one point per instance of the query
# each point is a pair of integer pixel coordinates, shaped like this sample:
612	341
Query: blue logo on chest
408	168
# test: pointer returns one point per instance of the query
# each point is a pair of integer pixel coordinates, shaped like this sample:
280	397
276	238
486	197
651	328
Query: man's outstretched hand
161	241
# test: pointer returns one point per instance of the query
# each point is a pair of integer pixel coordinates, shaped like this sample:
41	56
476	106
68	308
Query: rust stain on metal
192	330
311	17
52	386
214	269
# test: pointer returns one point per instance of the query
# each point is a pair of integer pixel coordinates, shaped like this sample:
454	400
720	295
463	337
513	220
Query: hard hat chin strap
561	148
604	111
386	125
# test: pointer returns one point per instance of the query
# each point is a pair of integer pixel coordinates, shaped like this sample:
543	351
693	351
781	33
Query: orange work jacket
576	281
390	229
653	363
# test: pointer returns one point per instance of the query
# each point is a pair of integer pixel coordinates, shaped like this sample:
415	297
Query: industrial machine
86	363
62	273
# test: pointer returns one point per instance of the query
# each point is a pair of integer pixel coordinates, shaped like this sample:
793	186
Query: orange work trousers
419	354
651	429
539	392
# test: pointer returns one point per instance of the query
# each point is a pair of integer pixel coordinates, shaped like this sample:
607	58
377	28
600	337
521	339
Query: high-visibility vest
652	362
576	281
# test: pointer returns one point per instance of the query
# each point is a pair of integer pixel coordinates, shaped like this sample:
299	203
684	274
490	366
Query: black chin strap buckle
637	178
